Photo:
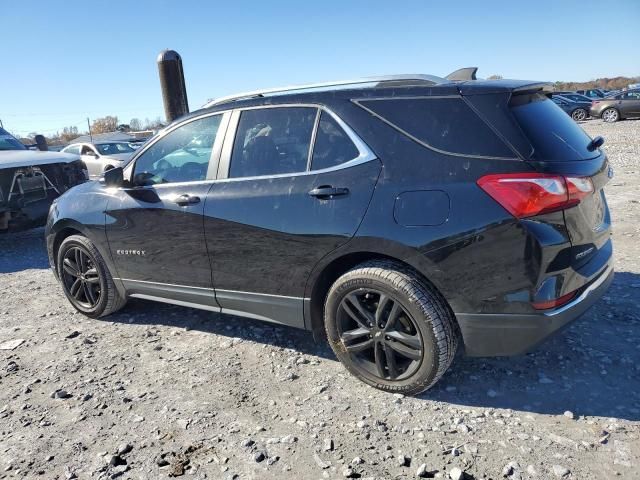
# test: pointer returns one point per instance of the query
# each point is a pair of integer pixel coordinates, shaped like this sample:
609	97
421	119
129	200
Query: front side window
272	141
87	150
182	155
333	146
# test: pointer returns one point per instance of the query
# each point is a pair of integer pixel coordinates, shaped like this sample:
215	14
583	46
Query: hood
30	158
119	157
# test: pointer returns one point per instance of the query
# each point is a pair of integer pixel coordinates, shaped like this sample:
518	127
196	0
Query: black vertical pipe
174	90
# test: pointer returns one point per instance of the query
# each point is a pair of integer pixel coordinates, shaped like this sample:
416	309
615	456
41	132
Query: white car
30	180
101	156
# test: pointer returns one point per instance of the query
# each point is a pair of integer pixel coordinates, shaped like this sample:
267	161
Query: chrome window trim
365	153
358	101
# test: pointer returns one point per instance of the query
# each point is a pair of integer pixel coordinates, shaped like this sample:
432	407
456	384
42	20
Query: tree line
110	123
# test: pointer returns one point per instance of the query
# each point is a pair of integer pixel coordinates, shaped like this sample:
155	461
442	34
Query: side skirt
278	309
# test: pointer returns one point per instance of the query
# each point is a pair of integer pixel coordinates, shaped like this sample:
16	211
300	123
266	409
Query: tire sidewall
617	117
80	242
428	368
576	111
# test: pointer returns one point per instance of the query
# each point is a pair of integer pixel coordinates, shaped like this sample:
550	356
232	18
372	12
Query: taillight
529	194
556	302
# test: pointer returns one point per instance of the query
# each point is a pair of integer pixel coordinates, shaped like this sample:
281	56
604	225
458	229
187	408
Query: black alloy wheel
380	336
80	278
389	327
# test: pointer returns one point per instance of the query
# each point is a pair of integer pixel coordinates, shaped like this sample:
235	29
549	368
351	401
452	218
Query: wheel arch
325	274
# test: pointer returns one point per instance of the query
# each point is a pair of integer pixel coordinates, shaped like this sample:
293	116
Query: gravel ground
158	391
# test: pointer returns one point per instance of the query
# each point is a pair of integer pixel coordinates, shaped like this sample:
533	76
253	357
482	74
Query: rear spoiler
463	74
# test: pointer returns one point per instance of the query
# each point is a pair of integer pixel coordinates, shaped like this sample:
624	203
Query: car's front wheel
610	115
85	278
390	328
579	114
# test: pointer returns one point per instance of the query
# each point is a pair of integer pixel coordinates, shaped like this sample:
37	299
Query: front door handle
326	192
186	199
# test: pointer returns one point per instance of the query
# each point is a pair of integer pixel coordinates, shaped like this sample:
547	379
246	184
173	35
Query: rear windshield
552	133
8	142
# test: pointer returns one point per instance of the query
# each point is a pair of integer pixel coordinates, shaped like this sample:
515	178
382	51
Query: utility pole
89	125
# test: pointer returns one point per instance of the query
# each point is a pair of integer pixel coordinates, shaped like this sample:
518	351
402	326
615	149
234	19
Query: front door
155	226
283	206
91	159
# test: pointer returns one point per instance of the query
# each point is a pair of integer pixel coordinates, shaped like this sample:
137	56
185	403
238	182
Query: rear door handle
186	199
325	192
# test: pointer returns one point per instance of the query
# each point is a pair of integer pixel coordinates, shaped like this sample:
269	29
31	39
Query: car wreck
30	180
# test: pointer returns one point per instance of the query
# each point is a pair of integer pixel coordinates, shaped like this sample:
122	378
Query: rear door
155	226
92	160
294	184
630	104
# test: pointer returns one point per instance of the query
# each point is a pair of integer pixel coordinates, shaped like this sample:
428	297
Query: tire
579	114
95	295
425	317
610	115
108	167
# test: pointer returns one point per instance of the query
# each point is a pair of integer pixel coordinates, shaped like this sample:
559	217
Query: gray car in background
101	156
617	107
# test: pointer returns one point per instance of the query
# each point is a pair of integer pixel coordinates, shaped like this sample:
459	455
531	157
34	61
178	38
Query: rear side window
445	124
332	146
272	141
552	133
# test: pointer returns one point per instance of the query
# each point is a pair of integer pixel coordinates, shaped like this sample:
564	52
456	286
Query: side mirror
114	177
41	143
91	154
143	179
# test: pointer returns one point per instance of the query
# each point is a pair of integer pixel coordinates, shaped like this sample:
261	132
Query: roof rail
376	81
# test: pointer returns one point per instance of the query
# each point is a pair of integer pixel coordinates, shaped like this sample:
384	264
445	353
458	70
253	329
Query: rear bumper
504	334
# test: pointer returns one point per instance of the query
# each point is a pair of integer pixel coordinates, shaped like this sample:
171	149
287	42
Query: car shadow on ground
592	368
589	369
23	251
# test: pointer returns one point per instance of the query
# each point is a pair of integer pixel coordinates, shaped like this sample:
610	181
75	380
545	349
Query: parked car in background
618	107
592	93
30	180
362	211
579	111
101	156
576	97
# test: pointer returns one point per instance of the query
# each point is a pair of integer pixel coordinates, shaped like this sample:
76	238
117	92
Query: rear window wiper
595	143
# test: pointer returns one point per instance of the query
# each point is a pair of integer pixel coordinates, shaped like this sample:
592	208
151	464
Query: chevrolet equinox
396	217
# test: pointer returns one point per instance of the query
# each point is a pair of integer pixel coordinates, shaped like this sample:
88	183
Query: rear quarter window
552	133
445	124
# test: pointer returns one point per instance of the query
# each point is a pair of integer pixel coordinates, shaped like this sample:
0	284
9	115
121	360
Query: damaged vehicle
31	180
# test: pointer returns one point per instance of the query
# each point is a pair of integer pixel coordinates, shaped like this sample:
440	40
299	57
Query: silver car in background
101	156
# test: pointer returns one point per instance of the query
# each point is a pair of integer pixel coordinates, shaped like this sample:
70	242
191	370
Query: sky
64	61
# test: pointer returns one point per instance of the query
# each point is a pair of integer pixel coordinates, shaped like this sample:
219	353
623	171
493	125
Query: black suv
396	216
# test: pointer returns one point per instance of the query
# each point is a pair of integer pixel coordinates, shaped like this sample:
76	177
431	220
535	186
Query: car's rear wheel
390	328
85	278
579	114
610	115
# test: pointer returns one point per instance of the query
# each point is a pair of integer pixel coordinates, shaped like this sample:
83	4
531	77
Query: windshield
552	133
114	148
9	142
